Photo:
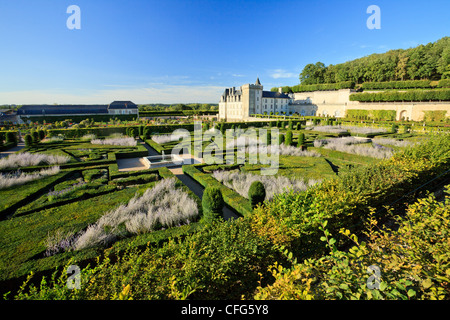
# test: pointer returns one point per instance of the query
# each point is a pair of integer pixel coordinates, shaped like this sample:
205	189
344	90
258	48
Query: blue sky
172	51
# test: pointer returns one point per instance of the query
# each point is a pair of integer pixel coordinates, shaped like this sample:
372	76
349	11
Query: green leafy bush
301	140
361	114
409	95
444	83
412	84
212	203
256	193
231	197
435	115
28	140
141	179
323	86
412	264
11	137
288	140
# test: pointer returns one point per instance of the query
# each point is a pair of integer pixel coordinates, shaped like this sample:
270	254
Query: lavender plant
328	129
241	182
18	178
88	137
364	130
52	195
25	159
60	241
353	145
165	138
164	205
282	149
122	141
54	139
392	142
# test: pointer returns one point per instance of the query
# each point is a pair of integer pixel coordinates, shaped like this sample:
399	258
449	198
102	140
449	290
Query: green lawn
13	195
22	238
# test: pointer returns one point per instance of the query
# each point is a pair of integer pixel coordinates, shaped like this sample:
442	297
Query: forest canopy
431	62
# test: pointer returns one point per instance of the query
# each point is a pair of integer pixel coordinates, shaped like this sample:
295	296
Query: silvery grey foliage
355	146
123	141
364	130
165	138
282	150
88	137
241	182
164	205
59	241
12	179
392	142
328	129
58	138
25	159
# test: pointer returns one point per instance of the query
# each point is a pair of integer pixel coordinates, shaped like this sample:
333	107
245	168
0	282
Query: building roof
122	105
257	81
270	94
231	92
61	109
45	109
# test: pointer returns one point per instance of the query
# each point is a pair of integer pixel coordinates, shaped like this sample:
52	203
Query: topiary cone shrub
212	203
288	140
301	140
256	193
28	141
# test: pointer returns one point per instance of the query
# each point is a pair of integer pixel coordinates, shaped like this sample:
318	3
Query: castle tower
251	98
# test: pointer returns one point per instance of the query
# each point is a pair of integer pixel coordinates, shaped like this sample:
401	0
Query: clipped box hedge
323	86
231	198
412	84
15	197
444	83
361	114
397	96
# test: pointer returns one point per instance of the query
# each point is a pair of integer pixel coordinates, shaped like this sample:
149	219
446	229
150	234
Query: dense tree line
179	107
431	61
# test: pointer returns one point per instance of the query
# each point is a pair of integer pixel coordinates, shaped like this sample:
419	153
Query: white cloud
139	95
280	73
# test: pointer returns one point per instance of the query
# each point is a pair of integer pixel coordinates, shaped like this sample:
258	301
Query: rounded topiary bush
35	136
11	137
212	203
256	193
41	134
28	140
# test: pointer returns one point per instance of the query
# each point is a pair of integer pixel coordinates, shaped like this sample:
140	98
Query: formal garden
146	235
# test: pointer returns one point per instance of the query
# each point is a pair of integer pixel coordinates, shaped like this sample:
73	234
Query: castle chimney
280	90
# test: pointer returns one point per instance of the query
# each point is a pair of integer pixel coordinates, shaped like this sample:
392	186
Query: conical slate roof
257	81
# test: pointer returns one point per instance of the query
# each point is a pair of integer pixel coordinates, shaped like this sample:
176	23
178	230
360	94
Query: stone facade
336	103
240	104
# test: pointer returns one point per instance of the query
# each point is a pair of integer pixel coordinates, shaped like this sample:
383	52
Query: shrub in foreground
413	263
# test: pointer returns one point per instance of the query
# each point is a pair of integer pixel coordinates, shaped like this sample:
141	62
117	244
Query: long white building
239	104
